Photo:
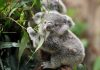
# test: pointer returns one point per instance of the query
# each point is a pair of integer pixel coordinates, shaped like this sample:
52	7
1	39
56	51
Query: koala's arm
33	36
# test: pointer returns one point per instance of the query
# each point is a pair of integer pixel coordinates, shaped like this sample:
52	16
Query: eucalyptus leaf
12	11
2	3
8	44
22	15
23	44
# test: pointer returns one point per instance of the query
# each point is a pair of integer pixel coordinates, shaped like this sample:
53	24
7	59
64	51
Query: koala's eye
44	22
38	16
68	22
49	22
56	25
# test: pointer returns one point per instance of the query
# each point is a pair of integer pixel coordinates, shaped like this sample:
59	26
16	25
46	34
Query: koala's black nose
47	25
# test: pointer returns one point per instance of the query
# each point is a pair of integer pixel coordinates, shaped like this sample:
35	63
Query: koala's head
53	21
53	5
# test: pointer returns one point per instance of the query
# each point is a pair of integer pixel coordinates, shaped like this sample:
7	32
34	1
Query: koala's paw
45	65
30	30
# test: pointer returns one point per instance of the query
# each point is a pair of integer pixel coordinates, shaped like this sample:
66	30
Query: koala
64	46
54	5
51	5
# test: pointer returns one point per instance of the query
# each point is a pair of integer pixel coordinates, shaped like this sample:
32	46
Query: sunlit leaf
21	20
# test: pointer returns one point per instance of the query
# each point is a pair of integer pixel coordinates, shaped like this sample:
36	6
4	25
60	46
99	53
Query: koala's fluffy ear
69	21
37	17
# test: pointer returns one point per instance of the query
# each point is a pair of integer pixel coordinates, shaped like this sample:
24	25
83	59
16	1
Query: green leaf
8	44
35	2
11	12
2	3
97	64
22	19
38	3
23	44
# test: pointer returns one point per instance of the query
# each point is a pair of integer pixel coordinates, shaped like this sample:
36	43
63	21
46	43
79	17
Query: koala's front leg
33	36
53	63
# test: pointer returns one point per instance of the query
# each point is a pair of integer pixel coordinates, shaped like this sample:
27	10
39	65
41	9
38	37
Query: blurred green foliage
71	12
79	28
97	64
13	23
